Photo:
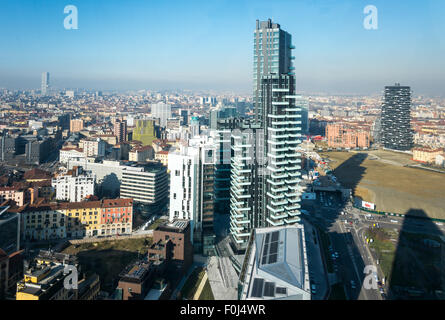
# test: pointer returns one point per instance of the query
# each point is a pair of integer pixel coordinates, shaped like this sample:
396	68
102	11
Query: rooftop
276	267
178	226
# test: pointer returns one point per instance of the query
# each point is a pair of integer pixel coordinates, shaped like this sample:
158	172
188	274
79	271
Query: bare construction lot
380	177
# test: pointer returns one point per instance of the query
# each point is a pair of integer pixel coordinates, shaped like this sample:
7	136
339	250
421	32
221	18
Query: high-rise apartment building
45	83
272	54
93	147
184	114
161	111
191	190
266	169
195	128
396	118
120	130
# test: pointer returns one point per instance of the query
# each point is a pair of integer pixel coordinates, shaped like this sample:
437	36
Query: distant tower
161	111
120	130
45	83
194	126
396	118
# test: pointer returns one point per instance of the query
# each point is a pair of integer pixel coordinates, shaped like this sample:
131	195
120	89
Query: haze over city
204	45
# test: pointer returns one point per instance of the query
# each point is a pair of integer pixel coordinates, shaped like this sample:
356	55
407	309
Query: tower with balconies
265	163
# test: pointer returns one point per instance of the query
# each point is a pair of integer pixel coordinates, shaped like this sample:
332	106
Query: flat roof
276	265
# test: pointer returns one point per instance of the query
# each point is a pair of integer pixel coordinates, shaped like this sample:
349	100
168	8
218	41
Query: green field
382	179
405	261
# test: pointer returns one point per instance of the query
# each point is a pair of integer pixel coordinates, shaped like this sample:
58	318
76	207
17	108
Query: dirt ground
382	179
109	258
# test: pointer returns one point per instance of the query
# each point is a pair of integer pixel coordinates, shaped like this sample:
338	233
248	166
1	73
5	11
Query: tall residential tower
272	54
265	171
396	118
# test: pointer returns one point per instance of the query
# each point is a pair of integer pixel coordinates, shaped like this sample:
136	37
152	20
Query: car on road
314	289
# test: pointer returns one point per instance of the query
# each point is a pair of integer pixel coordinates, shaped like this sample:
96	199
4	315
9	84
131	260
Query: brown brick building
171	242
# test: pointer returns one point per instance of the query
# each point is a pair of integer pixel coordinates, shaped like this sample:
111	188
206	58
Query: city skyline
202	46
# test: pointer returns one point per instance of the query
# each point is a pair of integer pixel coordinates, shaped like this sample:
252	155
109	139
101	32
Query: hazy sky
208	44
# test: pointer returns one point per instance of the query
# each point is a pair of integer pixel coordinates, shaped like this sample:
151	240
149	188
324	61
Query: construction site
384	178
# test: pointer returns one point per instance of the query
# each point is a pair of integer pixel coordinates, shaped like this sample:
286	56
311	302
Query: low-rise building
43	221
275	265
426	155
172	243
162	156
70	153
14	194
141	153
46	276
135	281
344	136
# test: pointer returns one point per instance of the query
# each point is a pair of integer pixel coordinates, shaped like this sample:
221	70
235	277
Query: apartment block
340	135
43	221
147	184
427	155
76	125
75	185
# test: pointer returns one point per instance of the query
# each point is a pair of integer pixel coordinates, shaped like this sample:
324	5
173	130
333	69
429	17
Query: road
352	254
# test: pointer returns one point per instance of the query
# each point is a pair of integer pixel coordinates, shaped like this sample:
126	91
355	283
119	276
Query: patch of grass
384	249
109	258
156	224
207	293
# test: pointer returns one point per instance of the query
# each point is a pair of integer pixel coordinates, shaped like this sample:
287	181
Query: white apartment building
93	147
147	184
75	185
191	188
68	154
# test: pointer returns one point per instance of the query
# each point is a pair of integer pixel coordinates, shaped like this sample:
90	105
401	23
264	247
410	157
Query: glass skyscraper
272	54
45	83
265	163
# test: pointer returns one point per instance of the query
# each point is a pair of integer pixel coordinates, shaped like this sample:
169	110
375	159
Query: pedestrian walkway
222	278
